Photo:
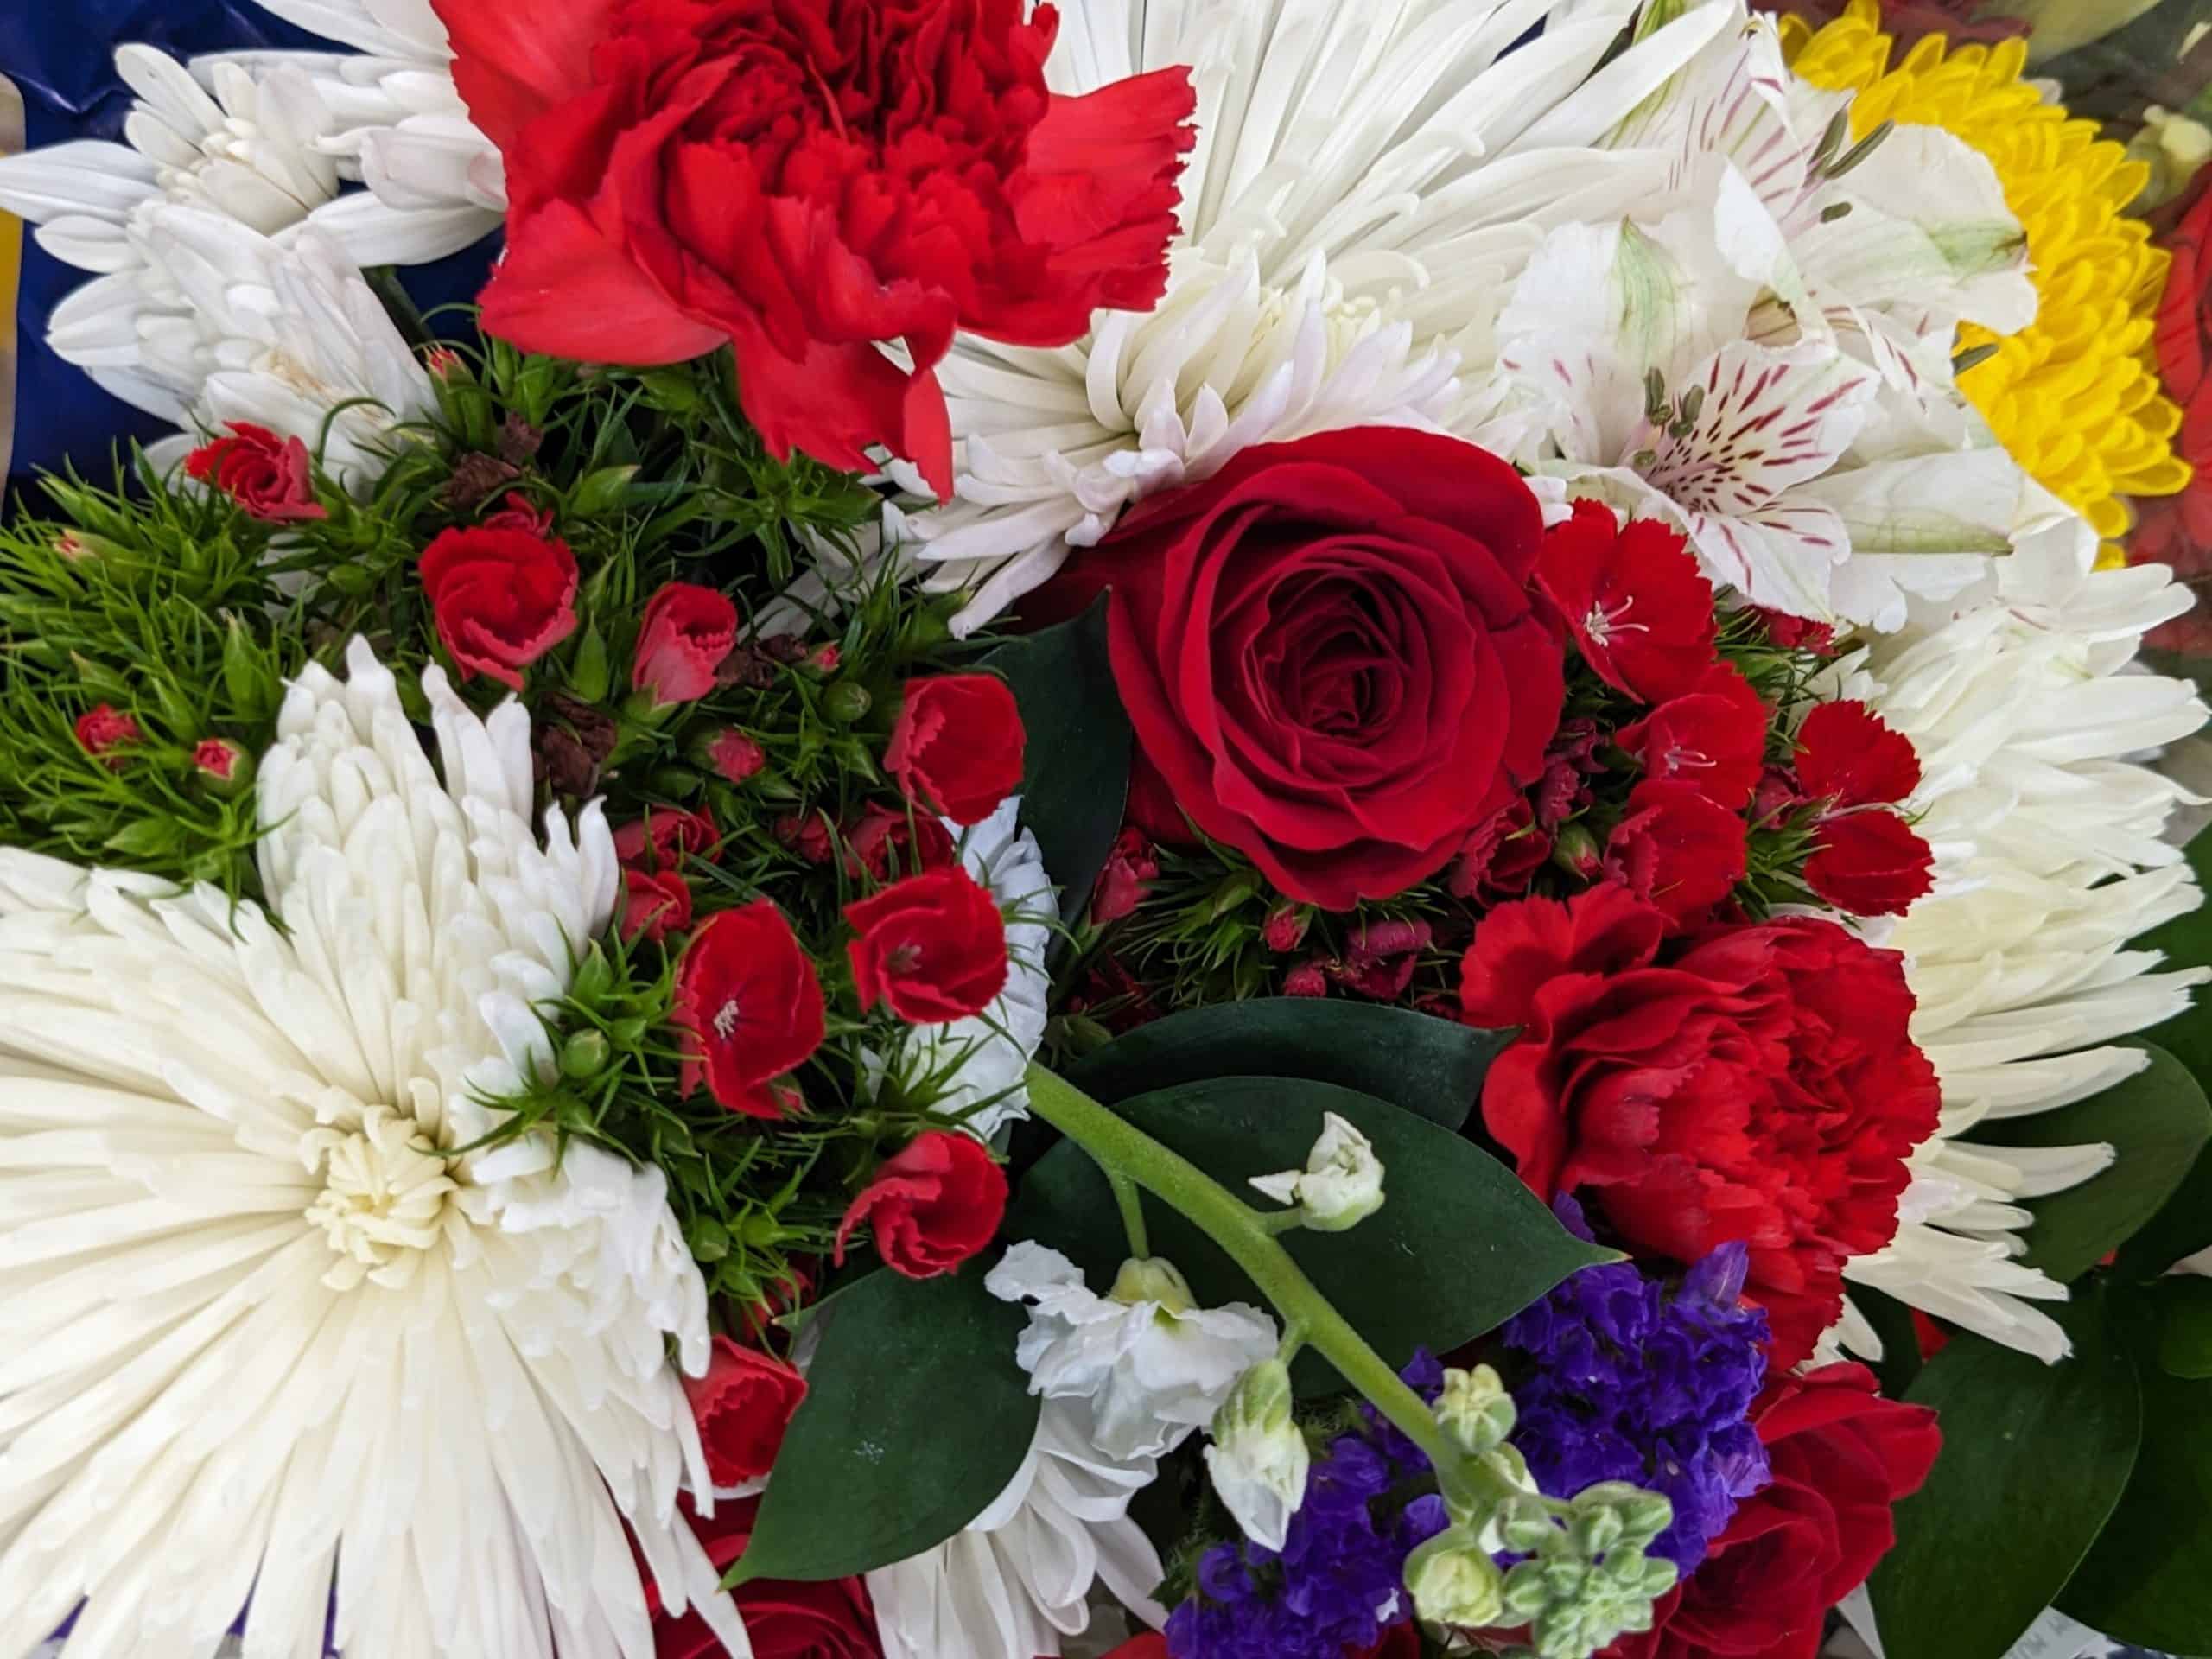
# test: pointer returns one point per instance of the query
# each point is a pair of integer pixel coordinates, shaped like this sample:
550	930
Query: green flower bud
1526	1593
1153	1279
1525	1526
847	702
1454	1581
585	1054
1475	1410
1598	1531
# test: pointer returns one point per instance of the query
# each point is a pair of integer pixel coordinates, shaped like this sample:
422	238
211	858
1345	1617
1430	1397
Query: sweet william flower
886	844
655	904
1848	756
1711	736
931	1207
957	746
272	479
804	180
103	729
933	946
665	836
743	1404
1639	608
1130	869
1869	863
1677	849
734	756
1866	860
502	596
750	1008
682	640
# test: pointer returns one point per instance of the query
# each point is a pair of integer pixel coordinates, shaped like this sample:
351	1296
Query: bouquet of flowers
1226	829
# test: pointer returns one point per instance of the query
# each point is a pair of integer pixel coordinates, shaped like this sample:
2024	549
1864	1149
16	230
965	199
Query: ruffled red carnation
682	638
957	746
933	946
502	597
1678	850
750	1007
1712	736
743	1405
271	478
1848	756
934	1206
1639	608
1869	863
665	836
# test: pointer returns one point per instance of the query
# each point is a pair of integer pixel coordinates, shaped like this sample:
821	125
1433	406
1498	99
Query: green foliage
916	1417
1460	1244
2034	1459
1431	1067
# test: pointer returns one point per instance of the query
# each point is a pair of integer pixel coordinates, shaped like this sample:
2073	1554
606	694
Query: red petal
565	290
512	63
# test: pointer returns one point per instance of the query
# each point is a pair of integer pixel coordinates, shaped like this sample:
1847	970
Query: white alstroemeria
1341	1184
1259	1460
1019	1577
1367	182
397	124
1153	1365
264	1330
974	1068
2022	698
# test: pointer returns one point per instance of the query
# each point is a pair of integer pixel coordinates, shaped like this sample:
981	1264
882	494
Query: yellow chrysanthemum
2075	396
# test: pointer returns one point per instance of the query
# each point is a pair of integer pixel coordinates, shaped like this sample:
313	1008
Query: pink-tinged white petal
1767	422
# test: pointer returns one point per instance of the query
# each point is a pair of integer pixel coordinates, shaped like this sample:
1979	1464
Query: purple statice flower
1623	1377
1339	1582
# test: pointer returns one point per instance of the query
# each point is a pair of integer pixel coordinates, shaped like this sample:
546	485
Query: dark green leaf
2146	1581
2157	1122
1430	1066
2034	1458
2182	1227
2185	1329
1076	770
916	1417
2186	942
1458	1247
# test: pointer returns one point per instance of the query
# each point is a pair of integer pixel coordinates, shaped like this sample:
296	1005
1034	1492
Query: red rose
1131	866
806	179
829	1620
957	746
750	1007
1869	863
1848	756
1677	849
669	834
886	844
104	728
502	597
734	756
271	478
1711	737
686	632
743	1404
1639	608
1842	1455
655	904
932	945
1328	654
1755	1083
934	1206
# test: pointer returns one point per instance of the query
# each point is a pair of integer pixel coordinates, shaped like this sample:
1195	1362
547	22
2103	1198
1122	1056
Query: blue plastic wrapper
62	59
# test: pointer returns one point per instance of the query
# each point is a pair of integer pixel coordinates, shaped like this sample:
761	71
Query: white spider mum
269	1337
1367	180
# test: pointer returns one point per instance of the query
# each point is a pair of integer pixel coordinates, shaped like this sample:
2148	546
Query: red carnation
932	945
751	1009
271	478
1840	1456
502	597
934	1206
665	836
1757	1083
830	1618
1677	849
886	844
1130	869
957	746
655	904
743	1404
804	180
1711	737
1869	863
1639	608
686	632
104	728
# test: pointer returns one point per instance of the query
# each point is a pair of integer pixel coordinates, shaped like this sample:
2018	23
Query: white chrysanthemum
1367	180
2021	701
1019	1577
975	1068
397	123
267	1332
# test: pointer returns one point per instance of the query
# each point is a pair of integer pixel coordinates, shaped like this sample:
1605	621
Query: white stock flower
2023	701
1152	1365
1341	1184
1259	1460
266	1334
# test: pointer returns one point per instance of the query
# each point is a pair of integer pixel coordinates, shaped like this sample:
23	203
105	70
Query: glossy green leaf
1458	1247
2157	1120
2185	1328
916	1417
1416	1061
2186	942
1075	767
2034	1459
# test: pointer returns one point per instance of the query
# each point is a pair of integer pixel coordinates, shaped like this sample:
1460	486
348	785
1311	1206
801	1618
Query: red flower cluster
806	179
1865	859
271	478
1753	1081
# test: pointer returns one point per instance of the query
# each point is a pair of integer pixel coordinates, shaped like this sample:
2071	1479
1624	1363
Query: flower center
1601	625
384	1197
726	1020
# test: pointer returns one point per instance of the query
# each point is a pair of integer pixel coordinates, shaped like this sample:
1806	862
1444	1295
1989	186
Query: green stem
1127	1154
1132	1207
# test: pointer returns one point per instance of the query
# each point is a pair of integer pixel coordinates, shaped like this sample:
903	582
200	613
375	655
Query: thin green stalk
1132	1207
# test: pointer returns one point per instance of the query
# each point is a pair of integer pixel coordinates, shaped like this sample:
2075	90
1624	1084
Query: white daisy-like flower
974	1069
1019	1577
272	1336
2023	700
1367	182
1152	1364
396	123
